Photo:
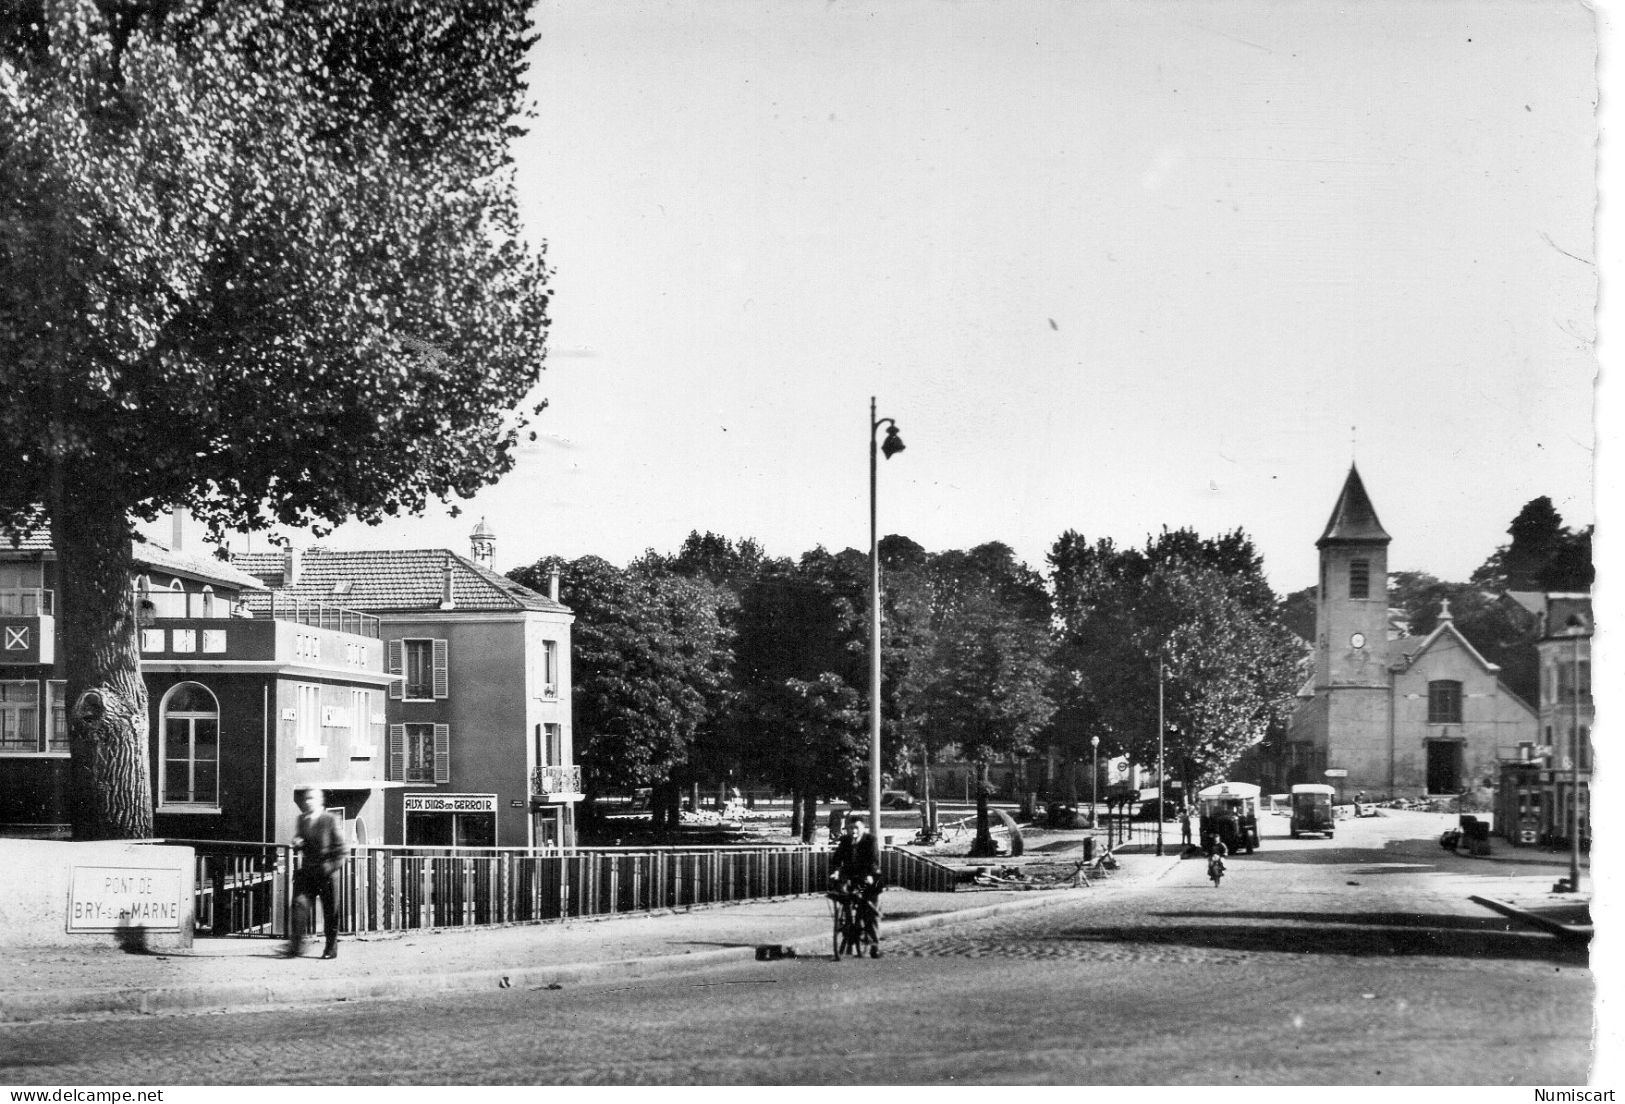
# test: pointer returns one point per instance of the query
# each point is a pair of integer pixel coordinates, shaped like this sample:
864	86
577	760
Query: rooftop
395	581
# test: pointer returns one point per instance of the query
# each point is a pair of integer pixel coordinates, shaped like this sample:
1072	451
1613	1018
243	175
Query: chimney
175	528
446	601
290	565
553	584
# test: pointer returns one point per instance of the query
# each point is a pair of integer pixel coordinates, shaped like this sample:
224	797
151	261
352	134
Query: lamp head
893	444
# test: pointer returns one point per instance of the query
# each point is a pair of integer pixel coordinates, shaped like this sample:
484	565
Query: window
419	753
550	668
549	745
56	737
19	716
21	593
308	742
362	743
1444	702
423	665
1566	680
189	748
1359	578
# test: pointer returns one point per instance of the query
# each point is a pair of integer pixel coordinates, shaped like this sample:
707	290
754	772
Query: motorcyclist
1215	860
856	862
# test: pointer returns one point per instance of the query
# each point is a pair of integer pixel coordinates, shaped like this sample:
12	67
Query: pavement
248	972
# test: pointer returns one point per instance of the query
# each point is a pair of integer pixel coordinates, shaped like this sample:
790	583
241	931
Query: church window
1444	702
1359	578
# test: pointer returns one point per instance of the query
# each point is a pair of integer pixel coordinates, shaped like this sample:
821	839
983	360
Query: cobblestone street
1355	962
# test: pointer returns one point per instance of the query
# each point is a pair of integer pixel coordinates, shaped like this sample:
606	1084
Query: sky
1110	267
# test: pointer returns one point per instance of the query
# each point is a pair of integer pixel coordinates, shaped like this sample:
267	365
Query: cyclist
856	863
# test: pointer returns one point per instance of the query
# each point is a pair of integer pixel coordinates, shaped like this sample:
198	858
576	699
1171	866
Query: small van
1312	811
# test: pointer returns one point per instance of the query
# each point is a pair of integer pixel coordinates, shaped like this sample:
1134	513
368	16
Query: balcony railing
27	602
546	781
277	607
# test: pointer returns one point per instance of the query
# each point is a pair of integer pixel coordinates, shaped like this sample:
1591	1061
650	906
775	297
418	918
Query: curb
1572	933
60	1003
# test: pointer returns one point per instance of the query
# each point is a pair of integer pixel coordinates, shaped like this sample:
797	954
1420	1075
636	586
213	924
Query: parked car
895	799
1148	810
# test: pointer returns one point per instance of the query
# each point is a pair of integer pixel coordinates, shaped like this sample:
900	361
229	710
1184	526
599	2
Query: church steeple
1353	519
1351	613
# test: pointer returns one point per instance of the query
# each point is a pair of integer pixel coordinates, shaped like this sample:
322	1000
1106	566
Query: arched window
189	747
1444	702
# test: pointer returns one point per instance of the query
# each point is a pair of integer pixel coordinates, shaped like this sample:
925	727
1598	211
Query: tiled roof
1353	518
207	568
396	581
152	555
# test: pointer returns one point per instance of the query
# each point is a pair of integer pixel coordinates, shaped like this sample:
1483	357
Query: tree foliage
1544	554
1197	609
974	636
648	655
259	260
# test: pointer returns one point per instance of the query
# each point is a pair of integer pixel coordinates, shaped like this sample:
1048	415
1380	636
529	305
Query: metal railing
316	614
556	780
246	887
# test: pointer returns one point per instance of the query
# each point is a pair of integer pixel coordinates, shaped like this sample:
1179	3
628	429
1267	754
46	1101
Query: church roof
1353	519
1411	648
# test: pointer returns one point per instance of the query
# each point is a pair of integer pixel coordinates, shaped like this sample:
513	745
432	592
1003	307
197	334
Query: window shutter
395	662
441	681
396	770
442	753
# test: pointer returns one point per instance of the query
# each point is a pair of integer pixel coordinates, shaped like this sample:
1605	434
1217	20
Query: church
1387	714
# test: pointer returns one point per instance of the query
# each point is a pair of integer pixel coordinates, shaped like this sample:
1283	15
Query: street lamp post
891	447
1576	629
1094	780
1159	755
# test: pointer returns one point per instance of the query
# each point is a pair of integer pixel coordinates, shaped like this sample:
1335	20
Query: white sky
1111	266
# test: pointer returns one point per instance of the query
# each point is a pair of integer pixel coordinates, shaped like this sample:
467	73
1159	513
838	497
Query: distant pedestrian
1185	825
320	843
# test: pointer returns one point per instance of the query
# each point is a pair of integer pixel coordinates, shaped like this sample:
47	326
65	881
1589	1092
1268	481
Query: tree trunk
795	813
809	816
982	847
110	777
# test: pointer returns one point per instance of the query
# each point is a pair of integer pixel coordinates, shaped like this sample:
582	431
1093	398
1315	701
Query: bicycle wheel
839	938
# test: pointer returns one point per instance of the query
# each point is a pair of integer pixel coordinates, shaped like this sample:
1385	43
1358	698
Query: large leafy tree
1544	554
260	260
1191	615
978	675
799	669
648	659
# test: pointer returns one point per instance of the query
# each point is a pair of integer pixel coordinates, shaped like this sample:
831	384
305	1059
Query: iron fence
246	888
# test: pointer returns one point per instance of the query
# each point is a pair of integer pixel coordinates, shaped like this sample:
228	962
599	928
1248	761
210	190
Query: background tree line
719	664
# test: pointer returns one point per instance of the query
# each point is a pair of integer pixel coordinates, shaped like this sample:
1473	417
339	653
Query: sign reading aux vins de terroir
450	803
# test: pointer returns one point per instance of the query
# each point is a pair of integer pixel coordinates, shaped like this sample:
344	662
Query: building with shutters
477	736
249	699
1387	714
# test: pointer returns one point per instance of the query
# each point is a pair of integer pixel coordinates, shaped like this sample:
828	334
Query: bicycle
1215	868
856	921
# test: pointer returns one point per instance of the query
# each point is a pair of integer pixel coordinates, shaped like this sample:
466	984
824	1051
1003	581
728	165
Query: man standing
320	843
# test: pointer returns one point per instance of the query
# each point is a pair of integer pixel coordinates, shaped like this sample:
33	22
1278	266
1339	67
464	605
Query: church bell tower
1351	613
